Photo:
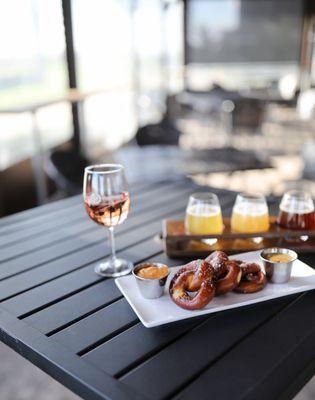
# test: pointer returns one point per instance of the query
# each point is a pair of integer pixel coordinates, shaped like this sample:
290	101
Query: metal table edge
57	361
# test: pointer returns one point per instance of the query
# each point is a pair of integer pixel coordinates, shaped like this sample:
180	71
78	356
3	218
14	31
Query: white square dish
163	310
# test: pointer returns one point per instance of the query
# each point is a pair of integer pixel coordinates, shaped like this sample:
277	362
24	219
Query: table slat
100	326
143	358
290	375
42	224
13	221
187	357
136	344
64	366
33	277
75	307
61	313
62	248
261	353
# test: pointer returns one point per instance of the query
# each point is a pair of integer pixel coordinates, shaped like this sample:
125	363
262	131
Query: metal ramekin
150	288
278	272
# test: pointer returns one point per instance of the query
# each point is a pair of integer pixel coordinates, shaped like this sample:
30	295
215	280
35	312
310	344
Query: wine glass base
114	268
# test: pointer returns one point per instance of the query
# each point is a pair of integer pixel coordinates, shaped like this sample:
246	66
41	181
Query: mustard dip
280	258
153	272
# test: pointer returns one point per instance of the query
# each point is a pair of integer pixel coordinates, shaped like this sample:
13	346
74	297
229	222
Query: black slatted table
56	312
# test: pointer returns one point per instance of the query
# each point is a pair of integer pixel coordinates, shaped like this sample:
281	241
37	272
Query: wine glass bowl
107	202
108	211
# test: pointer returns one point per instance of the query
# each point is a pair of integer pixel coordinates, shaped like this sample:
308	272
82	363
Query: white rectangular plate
163	310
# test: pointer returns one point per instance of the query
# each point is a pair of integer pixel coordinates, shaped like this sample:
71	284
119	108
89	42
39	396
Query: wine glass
107	202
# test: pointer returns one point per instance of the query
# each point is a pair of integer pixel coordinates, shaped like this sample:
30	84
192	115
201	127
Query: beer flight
250	213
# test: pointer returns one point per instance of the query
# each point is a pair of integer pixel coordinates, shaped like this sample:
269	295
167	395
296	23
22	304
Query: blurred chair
206	102
248	114
65	168
162	133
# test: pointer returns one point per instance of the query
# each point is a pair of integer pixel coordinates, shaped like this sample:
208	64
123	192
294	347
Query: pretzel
253	279
200	277
229	280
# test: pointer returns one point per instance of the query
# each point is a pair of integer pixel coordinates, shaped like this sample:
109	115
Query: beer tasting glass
250	214
107	202
203	214
296	211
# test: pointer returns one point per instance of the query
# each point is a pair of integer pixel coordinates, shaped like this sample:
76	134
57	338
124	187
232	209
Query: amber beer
296	211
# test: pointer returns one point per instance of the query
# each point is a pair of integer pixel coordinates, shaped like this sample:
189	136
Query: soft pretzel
253	279
216	275
229	280
201	279
193	284
218	260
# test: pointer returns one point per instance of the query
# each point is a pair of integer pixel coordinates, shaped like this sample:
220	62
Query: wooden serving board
178	244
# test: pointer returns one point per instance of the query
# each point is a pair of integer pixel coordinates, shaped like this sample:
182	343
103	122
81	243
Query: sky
37	27
18	33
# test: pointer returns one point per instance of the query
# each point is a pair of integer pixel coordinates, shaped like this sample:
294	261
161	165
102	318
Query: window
103	49
32	70
243	43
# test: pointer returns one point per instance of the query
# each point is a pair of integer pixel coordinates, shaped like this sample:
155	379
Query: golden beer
203	220
250	214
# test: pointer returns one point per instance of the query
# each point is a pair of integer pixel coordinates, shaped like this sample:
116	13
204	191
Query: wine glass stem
112	242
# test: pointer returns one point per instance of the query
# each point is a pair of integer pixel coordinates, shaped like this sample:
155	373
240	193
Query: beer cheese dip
280	258
153	272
